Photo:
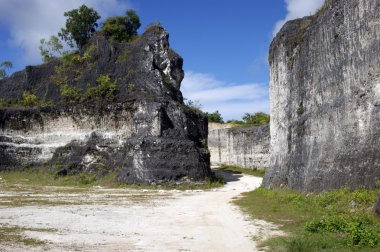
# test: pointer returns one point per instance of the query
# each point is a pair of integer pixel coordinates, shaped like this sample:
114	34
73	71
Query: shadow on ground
229	176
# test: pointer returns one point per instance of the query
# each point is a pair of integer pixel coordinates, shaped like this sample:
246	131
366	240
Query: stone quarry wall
246	146
325	99
145	134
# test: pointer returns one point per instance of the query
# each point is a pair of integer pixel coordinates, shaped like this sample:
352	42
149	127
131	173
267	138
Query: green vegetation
340	220
80	25
255	119
70	93
4	67
300	110
105	90
215	117
249	171
122	28
73	64
50	49
156	28
236	122
30	100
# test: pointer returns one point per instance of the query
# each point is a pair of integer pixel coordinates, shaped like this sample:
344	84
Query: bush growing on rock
50	49
29	99
215	117
81	23
122	28
258	118
105	90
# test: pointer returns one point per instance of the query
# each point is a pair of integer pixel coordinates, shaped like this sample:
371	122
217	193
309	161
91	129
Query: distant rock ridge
325	99
113	107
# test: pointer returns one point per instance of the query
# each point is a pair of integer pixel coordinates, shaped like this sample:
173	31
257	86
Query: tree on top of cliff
80	25
3	68
215	117
258	118
50	48
122	28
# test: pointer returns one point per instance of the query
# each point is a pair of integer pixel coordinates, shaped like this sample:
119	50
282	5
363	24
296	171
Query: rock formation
113	107
377	205
325	99
246	146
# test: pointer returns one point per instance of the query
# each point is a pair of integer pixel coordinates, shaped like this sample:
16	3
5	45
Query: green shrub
30	100
300	110
105	90
70	93
122	28
327	224
215	117
256	119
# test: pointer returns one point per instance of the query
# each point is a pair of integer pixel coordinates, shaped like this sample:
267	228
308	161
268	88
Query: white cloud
30	20
298	9
231	100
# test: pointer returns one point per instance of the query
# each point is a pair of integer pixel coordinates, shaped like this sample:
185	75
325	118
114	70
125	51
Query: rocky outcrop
246	146
325	99
377	205
113	107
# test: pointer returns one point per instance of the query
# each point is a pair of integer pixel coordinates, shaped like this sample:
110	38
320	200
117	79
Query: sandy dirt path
136	220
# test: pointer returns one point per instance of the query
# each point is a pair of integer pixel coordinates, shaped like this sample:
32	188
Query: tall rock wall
325	99
241	146
142	131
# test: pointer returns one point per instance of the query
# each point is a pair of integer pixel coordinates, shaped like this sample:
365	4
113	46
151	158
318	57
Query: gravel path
136	220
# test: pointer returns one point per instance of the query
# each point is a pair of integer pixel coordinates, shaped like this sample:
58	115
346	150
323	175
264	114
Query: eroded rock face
325	99
377	205
144	134
246	147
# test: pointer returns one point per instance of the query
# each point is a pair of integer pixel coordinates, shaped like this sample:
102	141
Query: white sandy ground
139	220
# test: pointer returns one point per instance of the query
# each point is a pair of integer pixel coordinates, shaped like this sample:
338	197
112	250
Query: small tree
4	66
80	25
122	28
215	117
258	118
50	49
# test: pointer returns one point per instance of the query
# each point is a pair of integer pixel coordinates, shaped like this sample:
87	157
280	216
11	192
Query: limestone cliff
325	99
113	107
246	146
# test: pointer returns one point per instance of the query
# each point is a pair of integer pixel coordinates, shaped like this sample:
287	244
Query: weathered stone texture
325	99
146	135
377	205
241	146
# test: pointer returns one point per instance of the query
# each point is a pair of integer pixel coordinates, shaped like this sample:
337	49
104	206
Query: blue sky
224	43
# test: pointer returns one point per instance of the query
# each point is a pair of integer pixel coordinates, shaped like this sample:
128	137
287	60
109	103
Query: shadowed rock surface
246	146
325	99
377	205
142	131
